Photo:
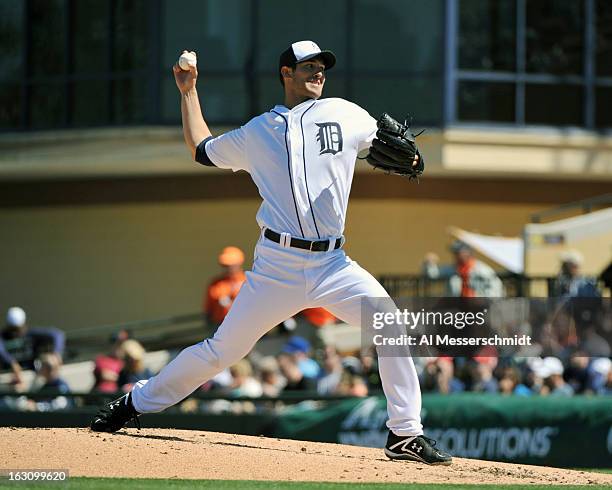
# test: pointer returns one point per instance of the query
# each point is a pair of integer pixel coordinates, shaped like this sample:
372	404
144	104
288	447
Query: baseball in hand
187	60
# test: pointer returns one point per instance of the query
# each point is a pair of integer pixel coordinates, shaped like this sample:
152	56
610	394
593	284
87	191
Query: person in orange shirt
468	277
319	317
223	289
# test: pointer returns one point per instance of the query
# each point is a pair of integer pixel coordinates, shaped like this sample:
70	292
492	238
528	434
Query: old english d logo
330	137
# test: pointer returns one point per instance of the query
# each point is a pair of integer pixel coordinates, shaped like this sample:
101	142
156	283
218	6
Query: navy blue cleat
115	415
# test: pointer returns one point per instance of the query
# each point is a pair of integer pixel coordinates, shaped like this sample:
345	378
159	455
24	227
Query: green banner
565	432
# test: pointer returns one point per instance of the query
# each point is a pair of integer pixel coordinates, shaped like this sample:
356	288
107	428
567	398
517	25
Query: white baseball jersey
301	160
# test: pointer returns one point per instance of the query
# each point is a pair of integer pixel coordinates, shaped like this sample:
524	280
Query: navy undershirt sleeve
201	156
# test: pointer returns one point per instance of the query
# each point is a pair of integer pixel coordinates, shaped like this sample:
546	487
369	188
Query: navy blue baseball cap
296	344
303	51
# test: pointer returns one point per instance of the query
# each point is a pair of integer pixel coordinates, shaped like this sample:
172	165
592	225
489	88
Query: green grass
149	484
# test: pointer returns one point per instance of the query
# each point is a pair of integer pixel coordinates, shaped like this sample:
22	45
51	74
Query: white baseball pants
283	282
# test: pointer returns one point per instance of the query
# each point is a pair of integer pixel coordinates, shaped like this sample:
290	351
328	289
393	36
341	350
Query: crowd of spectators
534	376
557	364
297	368
300	367
21	345
122	366
327	373
40	350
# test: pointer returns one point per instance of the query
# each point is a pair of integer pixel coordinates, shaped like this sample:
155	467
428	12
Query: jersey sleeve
227	151
366	128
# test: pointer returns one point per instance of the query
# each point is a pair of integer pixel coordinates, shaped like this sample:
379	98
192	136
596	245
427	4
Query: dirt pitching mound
166	453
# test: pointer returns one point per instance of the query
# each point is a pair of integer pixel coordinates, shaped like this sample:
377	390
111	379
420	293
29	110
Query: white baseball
187	60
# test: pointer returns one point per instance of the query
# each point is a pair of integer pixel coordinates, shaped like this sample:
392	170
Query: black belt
313	246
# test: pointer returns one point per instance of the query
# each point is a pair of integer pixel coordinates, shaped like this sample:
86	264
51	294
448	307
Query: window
11	62
544	62
82	64
488	35
543	104
392	66
48	25
279	24
554	37
482	101
220	32
399	68
603	42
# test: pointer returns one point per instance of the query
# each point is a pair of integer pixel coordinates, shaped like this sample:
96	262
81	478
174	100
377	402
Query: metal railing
155	334
419	286
584	205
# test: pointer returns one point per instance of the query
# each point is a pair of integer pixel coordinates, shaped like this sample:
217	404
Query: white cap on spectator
571	257
553	365
536	364
16	317
602	366
543	368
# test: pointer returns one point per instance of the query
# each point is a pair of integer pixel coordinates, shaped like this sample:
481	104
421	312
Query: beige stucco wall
101	264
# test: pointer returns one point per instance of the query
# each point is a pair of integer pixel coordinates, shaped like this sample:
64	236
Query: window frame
453	74
106	74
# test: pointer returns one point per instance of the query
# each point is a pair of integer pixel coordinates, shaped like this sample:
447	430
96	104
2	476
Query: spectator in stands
557	386
439	376
223	290
48	371
299	348
481	370
468	277
600	375
577	374
107	367
606	389
21	345
510	382
272	382
332	372
564	328
369	371
534	374
244	384
593	343
133	369
571	282
554	384
352	385
296	381
548	335
352	365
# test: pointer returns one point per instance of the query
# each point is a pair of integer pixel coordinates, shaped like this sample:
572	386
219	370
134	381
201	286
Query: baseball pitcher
301	155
